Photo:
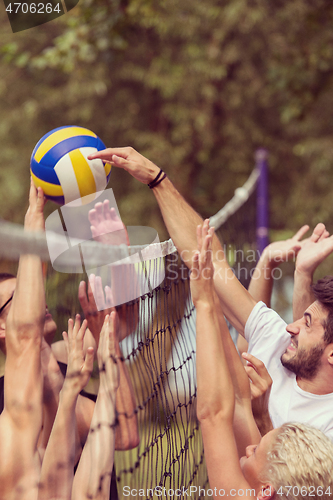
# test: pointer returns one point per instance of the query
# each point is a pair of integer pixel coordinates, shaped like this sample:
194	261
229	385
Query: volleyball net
158	345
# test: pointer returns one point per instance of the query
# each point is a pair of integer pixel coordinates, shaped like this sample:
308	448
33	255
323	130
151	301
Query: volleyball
59	165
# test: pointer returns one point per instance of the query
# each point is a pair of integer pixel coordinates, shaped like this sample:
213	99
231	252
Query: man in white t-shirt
303	387
271	343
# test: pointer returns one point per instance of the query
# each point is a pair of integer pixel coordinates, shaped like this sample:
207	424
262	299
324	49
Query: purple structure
261	156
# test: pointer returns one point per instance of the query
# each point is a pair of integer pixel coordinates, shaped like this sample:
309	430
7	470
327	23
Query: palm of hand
75	368
79	367
96	305
34	218
282	251
313	253
202	271
106	226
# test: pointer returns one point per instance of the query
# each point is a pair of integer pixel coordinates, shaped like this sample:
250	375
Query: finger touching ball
59	165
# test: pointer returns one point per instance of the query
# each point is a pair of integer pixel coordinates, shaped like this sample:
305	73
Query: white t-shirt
268	339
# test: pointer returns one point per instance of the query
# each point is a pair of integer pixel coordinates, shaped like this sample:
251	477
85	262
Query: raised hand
79	367
314	250
92	478
34	218
261	383
284	250
137	165
106	227
95	304
259	376
202	271
261	284
107	353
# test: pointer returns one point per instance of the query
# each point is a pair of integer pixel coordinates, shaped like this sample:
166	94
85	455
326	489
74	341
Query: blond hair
300	464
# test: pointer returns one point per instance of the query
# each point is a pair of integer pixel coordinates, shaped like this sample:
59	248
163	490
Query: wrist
159	177
70	389
108	384
204	305
304	274
68	395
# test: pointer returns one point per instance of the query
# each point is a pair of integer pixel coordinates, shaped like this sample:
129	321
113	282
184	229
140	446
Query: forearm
182	221
237	301
58	463
302	295
49	414
245	428
262	418
215	389
27	312
93	475
127	434
28	307
239	377
24	327
262	280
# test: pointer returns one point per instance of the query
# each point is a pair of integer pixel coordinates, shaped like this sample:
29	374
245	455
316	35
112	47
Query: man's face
304	355
7	289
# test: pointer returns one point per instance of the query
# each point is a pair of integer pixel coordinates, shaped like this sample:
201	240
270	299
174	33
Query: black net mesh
158	349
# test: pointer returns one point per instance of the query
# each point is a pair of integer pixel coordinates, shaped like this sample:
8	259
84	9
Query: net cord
16	241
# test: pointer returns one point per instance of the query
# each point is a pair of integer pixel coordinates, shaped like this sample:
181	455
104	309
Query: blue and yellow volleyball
59	165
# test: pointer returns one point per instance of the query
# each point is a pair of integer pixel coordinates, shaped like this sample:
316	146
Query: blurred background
195	86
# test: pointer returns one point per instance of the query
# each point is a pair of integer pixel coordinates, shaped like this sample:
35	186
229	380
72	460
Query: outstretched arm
245	429
21	420
181	221
59	458
262	280
274	254
52	383
216	396
93	476
25	322
107	228
127	434
313	252
24	327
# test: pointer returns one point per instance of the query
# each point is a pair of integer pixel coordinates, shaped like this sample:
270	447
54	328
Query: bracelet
157	179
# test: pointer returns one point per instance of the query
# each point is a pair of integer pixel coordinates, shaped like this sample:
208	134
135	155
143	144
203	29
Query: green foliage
194	86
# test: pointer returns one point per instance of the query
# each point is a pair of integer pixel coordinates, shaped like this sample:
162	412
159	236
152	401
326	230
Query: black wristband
157	179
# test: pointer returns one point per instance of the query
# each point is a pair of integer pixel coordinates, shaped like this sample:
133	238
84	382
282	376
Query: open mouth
292	346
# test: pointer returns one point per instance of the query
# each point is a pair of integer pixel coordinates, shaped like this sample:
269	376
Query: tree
194	87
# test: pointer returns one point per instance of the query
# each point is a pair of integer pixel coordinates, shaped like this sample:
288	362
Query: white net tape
14	241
